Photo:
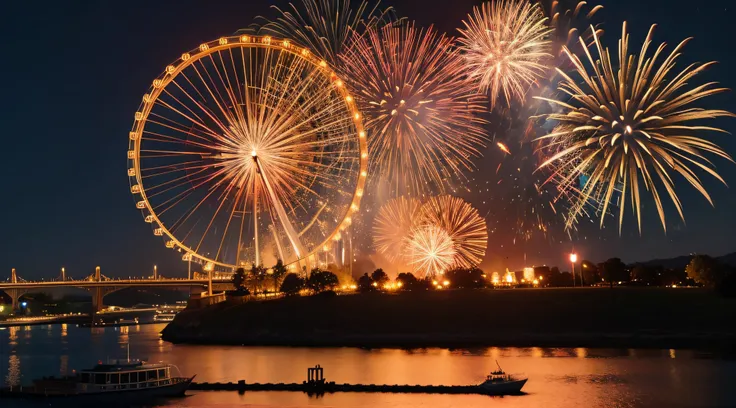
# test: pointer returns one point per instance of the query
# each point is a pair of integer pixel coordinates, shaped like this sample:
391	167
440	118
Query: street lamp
573	259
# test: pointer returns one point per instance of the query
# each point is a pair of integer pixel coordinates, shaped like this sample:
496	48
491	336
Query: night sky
73	74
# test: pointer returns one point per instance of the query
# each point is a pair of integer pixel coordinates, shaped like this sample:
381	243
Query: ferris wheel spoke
170	170
219	207
218	101
188	130
161	138
158	189
211	114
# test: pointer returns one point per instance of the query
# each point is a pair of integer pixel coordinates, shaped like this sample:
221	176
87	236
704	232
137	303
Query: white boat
500	383
117	382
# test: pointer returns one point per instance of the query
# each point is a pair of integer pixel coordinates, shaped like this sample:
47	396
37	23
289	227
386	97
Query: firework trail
421	112
631	126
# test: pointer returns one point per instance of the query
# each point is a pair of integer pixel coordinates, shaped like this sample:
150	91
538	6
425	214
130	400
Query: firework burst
430	250
421	112
506	45
324	26
463	224
393	225
627	127
566	20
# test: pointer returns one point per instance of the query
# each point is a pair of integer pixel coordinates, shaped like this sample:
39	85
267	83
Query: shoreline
603	341
566	318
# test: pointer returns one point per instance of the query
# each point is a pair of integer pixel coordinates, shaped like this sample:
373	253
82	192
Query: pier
316	385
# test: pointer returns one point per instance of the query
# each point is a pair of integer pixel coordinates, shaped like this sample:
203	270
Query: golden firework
621	128
393	225
430	250
466	228
507	47
421	112
324	26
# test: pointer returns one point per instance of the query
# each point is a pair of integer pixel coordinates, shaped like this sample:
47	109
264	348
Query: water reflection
559	377
13	377
64	365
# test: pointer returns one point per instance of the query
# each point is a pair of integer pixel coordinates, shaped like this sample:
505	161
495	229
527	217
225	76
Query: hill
681	262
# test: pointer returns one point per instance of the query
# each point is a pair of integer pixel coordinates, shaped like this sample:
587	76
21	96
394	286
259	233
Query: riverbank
591	317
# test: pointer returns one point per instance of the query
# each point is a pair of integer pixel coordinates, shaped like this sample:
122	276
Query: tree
278	272
408	281
257	274
706	271
727	286
365	284
292	284
379	277
320	281
239	279
614	271
467	278
644	274
589	273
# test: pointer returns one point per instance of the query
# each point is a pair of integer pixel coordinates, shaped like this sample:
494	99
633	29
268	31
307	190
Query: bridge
100	285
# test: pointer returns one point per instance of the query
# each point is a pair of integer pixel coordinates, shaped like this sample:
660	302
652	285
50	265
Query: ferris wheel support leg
255	225
290	231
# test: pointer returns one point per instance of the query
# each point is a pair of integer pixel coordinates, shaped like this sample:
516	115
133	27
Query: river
557	377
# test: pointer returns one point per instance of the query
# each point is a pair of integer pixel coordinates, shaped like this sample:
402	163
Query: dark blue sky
73	74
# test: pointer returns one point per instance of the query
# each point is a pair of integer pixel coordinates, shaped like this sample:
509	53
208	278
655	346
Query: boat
500	383
116	382
164	317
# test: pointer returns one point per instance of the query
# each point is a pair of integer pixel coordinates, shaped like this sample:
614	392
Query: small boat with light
500	383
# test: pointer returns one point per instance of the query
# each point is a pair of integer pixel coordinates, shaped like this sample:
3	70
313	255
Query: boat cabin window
125	378
100	379
162	373
85	378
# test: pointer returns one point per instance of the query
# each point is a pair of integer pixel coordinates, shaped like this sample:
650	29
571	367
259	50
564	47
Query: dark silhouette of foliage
380	277
589	272
320	281
365	284
706	271
257	275
408	281
278	272
238	279
465	278
613	270
292	284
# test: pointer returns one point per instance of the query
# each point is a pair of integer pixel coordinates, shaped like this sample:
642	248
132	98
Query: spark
625	127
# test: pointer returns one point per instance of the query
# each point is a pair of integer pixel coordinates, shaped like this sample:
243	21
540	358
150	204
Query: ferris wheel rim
188	59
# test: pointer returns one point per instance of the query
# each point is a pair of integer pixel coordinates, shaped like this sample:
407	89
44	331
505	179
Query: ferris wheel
248	150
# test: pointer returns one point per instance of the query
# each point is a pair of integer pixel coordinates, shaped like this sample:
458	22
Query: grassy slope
548	317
